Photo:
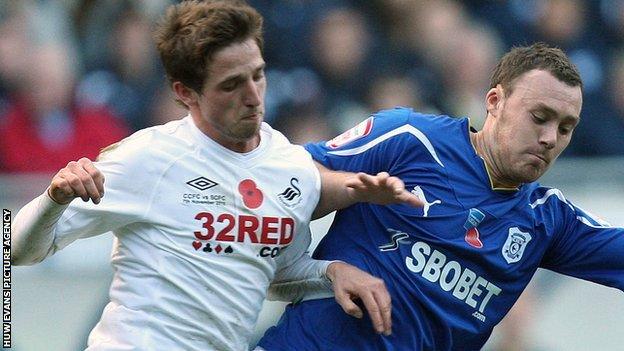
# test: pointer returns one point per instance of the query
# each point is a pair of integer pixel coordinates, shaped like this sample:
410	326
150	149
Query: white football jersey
199	233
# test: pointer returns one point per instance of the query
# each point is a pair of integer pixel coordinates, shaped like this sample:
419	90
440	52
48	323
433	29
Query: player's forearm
33	230
302	277
305	267
334	192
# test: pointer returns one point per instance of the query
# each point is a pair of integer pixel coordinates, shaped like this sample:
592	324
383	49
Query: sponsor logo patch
453	277
359	131
475	217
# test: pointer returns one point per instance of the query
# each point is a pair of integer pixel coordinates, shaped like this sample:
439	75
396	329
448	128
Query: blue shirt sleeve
587	248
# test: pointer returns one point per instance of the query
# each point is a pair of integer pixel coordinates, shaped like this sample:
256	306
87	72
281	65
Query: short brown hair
537	56
192	31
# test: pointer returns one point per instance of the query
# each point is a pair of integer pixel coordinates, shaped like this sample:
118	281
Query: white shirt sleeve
43	227
304	278
298	274
33	230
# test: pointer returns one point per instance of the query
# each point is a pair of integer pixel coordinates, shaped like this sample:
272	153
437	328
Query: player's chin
532	172
247	130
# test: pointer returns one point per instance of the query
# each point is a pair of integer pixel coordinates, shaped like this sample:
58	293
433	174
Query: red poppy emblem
252	196
472	238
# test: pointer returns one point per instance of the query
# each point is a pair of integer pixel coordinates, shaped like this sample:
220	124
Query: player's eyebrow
239	76
552	112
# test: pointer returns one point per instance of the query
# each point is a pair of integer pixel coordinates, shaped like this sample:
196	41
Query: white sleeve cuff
33	229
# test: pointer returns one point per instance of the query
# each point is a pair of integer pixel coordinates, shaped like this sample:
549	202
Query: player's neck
236	145
480	145
239	145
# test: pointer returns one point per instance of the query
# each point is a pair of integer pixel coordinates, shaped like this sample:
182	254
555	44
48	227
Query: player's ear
185	94
493	100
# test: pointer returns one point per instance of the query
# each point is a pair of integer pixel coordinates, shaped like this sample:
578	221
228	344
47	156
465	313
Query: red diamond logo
218	249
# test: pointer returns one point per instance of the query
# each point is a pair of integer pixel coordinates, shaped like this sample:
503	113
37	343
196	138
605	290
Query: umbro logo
202	183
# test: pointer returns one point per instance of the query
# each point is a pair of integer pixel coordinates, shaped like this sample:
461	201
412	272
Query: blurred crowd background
77	75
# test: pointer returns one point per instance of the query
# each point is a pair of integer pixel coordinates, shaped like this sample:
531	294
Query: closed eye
565	130
229	85
259	75
537	119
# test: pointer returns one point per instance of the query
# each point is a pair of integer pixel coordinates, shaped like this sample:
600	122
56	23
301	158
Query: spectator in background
14	48
425	32
288	24
164	108
387	91
134	63
603	133
466	72
513	330
303	125
616	88
612	15
130	76
92	21
43	127
340	47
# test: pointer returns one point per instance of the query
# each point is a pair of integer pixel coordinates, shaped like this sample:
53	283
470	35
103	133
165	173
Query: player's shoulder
151	144
551	205
394	129
409	120
282	148
547	202
402	126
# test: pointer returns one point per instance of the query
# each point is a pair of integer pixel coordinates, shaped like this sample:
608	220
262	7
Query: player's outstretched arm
351	283
33	227
343	189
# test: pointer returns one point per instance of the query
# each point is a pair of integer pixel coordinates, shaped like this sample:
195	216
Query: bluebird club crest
515	245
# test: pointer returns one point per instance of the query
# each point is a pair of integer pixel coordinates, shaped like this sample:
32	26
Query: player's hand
352	283
381	189
78	179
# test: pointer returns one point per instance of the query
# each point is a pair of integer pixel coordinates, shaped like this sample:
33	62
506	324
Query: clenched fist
78	179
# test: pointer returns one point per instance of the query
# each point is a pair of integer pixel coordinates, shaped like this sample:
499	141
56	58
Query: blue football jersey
455	267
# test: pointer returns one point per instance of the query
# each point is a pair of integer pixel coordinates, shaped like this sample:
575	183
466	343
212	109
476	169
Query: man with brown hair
208	210
456	267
